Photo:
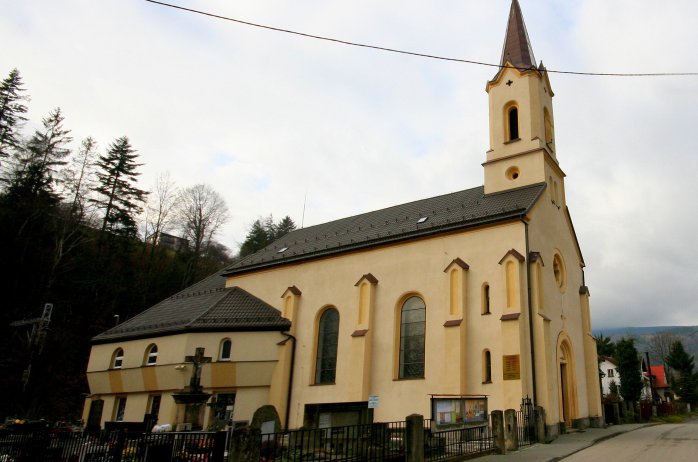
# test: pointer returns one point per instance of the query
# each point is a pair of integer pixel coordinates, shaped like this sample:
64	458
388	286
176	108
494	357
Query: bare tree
79	177
660	345
161	202
200	212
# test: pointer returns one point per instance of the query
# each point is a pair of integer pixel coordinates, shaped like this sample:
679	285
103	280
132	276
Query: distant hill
688	335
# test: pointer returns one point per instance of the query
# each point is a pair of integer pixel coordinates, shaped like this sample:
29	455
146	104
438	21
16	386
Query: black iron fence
457	443
112	446
372	442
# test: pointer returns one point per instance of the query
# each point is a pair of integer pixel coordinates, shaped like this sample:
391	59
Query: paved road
669	442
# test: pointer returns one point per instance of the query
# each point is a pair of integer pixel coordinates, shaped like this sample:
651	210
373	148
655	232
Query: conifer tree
37	164
263	231
116	189
285	226
12	110
685	382
257	238
629	369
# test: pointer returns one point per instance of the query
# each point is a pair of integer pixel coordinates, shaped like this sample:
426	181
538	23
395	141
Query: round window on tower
512	173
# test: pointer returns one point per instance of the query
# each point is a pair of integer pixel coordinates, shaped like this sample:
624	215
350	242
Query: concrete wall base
581	424
596	422
552	431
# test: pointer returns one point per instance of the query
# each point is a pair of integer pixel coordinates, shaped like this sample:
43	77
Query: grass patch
674	419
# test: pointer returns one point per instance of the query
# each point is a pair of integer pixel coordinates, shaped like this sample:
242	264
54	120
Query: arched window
117	358
513	123
151	355
486	299
549	137
486	367
224	354
412	329
327	338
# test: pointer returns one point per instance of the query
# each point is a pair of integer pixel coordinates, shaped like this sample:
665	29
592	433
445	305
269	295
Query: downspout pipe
290	379
530	312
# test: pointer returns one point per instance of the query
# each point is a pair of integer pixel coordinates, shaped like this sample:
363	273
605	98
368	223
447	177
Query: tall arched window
151	355
327	338
486	367
412	329
549	137
224	354
117	359
513	123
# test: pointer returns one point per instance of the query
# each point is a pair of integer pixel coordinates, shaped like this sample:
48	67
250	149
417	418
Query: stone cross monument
193	396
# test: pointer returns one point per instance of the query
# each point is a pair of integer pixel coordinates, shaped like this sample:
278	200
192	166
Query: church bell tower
522	134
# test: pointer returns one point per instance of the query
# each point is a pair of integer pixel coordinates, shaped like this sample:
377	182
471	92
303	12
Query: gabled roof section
450	212
517	48
205	306
660	380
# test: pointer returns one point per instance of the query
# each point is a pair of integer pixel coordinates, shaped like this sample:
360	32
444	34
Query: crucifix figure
197	360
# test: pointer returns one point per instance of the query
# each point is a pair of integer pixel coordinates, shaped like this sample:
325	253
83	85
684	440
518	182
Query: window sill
486	314
489	382
512	141
322	384
400	379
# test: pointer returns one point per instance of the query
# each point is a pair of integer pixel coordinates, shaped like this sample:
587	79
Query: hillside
688	335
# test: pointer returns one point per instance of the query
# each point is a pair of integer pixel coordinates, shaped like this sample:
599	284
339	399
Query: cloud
272	120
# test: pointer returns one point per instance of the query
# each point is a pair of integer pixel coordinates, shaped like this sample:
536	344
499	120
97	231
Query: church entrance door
566	383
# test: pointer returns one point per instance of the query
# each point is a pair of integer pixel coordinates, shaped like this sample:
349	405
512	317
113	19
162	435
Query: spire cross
197	361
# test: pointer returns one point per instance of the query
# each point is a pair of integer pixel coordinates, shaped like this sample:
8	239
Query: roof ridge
385	208
188	289
446	212
224	293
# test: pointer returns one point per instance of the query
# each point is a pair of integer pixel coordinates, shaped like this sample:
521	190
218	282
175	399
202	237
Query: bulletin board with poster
449	412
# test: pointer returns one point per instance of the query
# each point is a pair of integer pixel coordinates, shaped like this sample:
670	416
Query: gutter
530	314
290	380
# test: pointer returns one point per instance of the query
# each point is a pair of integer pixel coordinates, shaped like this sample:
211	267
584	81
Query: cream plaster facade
501	293
247	374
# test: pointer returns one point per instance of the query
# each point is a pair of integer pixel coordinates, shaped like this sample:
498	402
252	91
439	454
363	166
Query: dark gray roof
517	47
204	306
445	213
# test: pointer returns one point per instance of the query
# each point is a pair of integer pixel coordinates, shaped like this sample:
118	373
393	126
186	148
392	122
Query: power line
412	53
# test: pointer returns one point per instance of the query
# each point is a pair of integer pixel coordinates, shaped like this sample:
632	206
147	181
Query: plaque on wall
512	367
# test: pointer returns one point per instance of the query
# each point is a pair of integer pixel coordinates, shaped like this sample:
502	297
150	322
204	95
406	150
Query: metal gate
526	423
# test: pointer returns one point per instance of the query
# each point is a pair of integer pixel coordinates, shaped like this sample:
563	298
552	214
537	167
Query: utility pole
37	338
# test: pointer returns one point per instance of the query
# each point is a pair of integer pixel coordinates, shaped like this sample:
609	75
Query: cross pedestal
193	397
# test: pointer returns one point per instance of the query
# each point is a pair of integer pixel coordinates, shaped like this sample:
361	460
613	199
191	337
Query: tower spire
517	48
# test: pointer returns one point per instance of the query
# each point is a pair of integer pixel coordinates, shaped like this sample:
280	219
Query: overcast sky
268	119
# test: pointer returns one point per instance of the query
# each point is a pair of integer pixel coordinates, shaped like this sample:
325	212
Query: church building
478	292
